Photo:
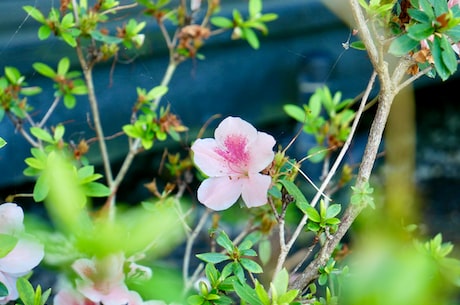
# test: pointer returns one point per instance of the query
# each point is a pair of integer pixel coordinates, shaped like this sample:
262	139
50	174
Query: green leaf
225	242
12	74
317	154
35	163
7	243
358	45
96	35
333	210
34	13
44	32
255	8
322	280
436	51
212	257
26	291
251	38
44	69
448	55
195	300
41	189
418	15
295	112
70	101
251	265
41	134
69	39
265	251
403	45
281	282
157	92
247	294
420	31
96	189
59	132
3	290
288	297
29	91
262	294
293	190
312	214
2	142
222	22
268	17
63	66
238	271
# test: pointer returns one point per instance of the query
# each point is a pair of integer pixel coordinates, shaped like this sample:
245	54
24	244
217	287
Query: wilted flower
23	257
233	161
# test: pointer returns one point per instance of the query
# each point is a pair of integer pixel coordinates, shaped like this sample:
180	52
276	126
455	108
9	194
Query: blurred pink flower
26	254
102	281
233	161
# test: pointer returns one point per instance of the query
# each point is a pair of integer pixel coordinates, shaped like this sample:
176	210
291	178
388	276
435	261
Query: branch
285	250
310	273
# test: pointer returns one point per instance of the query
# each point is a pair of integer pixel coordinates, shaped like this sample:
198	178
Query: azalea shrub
251	224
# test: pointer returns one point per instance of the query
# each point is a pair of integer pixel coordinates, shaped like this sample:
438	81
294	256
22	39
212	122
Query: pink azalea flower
26	254
233	161
102	281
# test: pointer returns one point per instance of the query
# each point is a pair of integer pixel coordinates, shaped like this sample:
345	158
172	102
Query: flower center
235	152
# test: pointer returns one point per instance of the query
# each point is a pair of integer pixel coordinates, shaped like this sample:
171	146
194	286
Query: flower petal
208	160
235	126
11	217
24	257
10	284
220	193
255	190
261	152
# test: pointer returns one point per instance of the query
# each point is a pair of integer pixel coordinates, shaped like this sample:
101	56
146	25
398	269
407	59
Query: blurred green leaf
7	243
403	45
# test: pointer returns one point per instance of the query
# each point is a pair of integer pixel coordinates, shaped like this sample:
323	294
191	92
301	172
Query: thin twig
49	111
189	245
119	8
284	252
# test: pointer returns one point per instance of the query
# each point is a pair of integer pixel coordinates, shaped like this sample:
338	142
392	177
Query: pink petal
234	126
261	152
10	284
11	217
85	268
117	295
24	257
220	193
208	160
69	297
255	190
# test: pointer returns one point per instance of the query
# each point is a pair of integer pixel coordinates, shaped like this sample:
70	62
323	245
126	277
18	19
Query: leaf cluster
431	22
67	83
245	28
14	92
326	117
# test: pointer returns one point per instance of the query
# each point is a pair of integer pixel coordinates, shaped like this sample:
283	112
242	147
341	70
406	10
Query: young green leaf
7	243
251	265
403	45
2	142
44	69
247	294
26	291
223	240
212	257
